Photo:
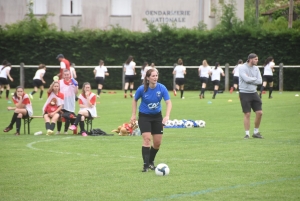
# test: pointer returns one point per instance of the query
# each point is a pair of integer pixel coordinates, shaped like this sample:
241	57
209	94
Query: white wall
96	14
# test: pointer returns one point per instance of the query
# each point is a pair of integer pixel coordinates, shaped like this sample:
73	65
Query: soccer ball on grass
162	169
189	124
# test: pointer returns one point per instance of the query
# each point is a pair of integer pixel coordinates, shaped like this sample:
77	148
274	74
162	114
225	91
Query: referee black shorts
151	123
250	101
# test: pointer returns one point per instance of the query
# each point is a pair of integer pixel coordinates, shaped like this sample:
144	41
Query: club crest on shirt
158	93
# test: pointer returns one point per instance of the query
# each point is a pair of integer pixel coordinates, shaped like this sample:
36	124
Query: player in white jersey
179	72
69	87
73	71
268	76
129	69
38	81
4	73
143	71
216	77
203	72
235	73
100	72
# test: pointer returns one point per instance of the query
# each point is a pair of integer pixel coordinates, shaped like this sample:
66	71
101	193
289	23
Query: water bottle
74	82
38	133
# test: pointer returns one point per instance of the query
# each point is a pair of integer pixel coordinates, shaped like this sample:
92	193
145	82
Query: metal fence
226	68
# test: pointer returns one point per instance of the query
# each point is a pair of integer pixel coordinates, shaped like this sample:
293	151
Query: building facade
130	14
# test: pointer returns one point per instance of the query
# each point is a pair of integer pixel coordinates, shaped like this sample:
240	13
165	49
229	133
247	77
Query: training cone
229	100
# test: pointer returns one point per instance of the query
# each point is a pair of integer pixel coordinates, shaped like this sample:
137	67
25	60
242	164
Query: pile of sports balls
184	123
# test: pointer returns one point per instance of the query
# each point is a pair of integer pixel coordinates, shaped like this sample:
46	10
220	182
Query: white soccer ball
162	169
201	123
175	122
189	124
169	123
180	122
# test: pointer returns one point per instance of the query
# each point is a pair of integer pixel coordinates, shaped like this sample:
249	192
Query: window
71	7
39	7
212	8
121	7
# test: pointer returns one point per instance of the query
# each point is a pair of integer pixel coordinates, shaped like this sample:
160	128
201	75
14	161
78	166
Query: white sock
256	130
247	132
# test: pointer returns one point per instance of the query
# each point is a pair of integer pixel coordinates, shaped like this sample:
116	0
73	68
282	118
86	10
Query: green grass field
211	163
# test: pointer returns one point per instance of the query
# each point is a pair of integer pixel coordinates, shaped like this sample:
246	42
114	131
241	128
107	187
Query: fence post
281	77
22	75
123	78
226	77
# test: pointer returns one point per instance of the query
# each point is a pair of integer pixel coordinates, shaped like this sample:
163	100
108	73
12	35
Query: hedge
162	46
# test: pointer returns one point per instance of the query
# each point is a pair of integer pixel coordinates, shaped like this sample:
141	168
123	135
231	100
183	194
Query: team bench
27	121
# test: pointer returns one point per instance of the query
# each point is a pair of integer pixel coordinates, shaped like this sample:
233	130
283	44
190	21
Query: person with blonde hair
38	81
87	104
179	72
203	72
53	106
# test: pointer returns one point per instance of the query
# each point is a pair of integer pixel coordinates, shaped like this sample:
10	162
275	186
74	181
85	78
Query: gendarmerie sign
165	16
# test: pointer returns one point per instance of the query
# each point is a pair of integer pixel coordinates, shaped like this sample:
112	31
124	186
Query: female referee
150	117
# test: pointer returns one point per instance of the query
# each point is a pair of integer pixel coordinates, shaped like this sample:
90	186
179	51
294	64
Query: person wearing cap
64	64
249	78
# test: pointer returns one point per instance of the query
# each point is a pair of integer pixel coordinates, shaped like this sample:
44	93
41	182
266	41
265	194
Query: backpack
98	132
